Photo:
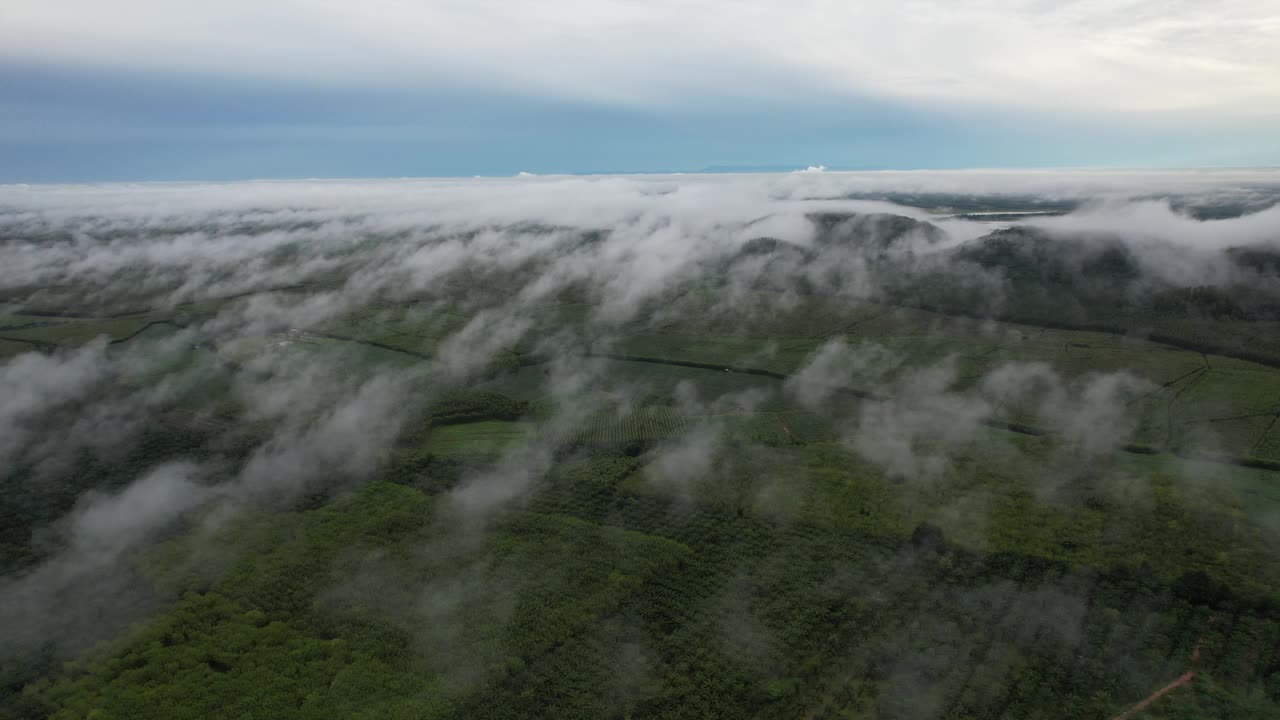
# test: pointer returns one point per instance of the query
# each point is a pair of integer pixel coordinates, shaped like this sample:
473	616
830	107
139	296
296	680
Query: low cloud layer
1141	56
283	371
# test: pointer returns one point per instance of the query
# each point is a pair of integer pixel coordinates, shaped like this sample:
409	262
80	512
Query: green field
347	465
478	438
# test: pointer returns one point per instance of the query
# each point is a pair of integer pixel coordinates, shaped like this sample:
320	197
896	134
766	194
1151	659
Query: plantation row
778	616
645	425
740	617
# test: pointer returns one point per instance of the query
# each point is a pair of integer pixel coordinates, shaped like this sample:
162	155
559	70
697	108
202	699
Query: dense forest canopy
820	445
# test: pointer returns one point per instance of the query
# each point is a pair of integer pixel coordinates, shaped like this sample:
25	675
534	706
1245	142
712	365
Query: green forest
903	467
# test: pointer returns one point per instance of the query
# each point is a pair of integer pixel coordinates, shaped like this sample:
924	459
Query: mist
488	389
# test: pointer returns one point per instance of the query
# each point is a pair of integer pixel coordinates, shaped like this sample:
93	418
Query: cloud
105	525
82	594
1148	220
345	438
836	366
912	434
1143	56
921	415
33	384
480	265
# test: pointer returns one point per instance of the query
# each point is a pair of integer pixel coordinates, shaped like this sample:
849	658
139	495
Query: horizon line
714	170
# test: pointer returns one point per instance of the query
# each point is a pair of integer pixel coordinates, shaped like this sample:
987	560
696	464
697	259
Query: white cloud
1130	55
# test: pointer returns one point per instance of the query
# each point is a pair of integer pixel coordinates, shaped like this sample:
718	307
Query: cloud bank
252	278
1140	56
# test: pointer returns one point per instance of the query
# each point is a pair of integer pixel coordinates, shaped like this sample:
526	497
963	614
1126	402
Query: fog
250	279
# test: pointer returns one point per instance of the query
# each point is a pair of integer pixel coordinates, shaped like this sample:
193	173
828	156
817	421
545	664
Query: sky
176	90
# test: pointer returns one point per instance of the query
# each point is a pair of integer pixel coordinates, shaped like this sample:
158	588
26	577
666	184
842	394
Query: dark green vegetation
881	474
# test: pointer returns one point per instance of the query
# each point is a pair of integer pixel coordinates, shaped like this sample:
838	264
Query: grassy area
78	332
478	438
10	348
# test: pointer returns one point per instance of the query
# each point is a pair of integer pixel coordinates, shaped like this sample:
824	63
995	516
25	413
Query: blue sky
144	90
